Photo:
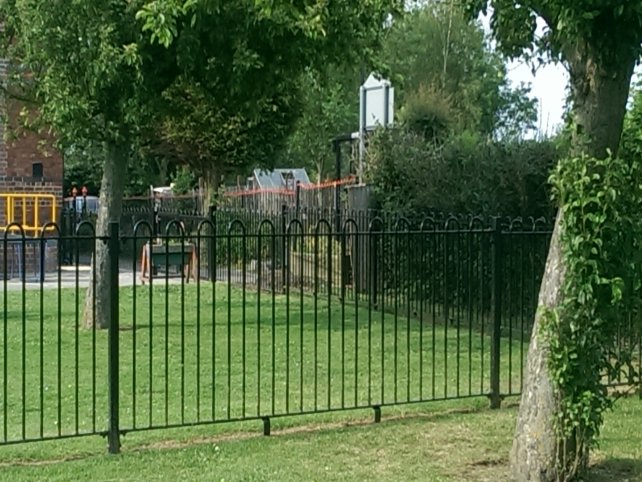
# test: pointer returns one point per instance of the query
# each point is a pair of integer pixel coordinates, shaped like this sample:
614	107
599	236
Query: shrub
464	174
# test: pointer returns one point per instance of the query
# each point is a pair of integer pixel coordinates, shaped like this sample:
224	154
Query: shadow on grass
180	438
615	469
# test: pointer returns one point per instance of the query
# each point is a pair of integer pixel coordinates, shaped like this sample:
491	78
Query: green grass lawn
191	354
445	441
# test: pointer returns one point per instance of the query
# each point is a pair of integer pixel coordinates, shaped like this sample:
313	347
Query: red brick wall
23	149
18	152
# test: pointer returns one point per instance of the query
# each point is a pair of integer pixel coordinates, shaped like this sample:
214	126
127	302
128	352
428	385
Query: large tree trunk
534	452
599	96
111	203
599	105
211	184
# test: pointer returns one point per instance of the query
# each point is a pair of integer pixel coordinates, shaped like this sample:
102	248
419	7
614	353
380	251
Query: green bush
463	174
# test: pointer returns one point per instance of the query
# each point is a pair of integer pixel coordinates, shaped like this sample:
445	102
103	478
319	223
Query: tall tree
330	107
446	76
444	67
250	54
83	71
599	42
98	67
217	138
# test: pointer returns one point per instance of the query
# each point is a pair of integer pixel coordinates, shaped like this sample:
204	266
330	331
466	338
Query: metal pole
497	285
113	247
337	176
75	213
362	132
211	261
284	254
297	199
386	105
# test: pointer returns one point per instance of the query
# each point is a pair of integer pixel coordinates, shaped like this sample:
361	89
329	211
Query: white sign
377	100
376	109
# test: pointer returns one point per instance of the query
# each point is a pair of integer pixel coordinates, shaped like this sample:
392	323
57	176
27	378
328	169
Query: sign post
376	109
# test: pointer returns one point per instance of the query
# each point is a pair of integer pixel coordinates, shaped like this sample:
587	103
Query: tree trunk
111	203
534	452
599	96
599	106
211	181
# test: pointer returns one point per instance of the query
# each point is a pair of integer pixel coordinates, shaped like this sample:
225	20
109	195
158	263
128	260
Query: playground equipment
31	211
25	222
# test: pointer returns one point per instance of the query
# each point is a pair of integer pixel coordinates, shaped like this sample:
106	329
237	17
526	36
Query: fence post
155	218
297	199
113	248
373	269
343	266
284	254
496	310
337	210
211	255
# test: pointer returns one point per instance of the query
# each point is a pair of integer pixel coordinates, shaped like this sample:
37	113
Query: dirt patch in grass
434	417
304	429
454	444
43	462
620	469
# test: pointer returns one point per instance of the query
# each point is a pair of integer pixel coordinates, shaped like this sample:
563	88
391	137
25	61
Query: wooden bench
183	256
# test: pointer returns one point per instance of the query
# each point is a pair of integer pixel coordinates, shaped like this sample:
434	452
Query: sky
548	86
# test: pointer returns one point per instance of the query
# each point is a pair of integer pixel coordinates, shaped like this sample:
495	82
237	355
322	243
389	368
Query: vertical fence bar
93	328
315	295
446	303
150	348
211	255
59	341
371	293
301	311
76	327
181	232
286	291
23	367
198	322
134	328
229	320
342	274
434	293
213	263
284	212
244	315
166	292
113	248
496	300
42	353
5	310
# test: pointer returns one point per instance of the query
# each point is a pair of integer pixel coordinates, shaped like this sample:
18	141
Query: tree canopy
599	42
443	65
101	71
447	79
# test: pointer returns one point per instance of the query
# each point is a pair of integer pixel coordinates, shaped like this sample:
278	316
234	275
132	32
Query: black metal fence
234	318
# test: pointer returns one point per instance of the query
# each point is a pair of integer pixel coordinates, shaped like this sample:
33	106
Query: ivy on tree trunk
540	452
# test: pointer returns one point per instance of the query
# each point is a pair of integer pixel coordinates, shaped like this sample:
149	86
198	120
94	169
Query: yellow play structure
29	252
31	211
